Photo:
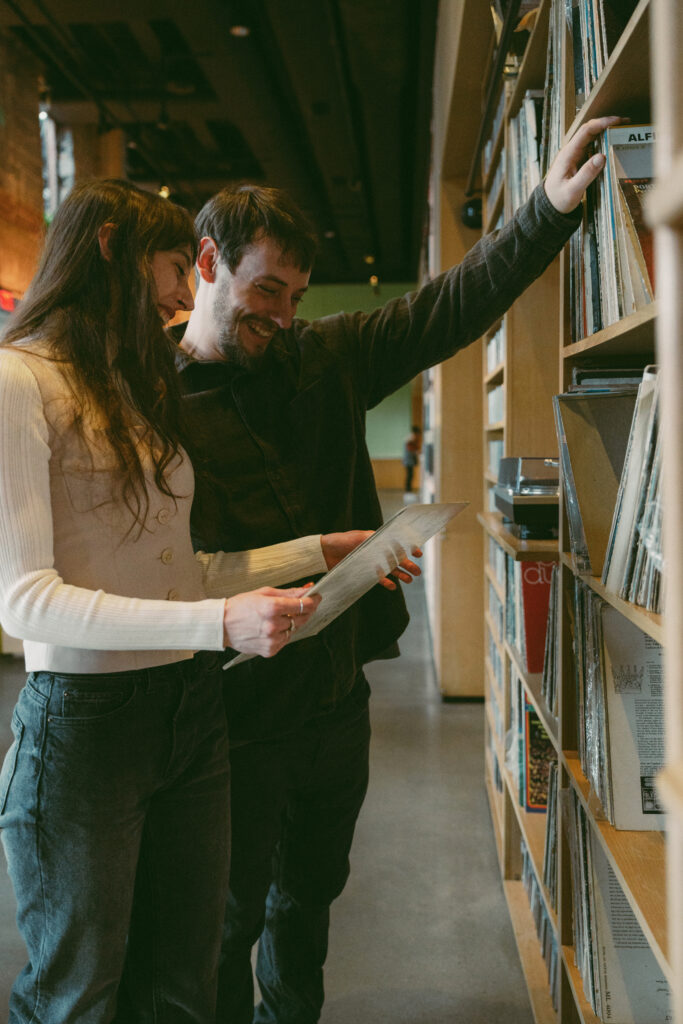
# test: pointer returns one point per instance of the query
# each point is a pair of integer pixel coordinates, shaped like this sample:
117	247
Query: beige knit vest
98	544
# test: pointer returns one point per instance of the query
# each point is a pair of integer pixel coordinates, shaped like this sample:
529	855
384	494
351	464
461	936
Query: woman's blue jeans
114	805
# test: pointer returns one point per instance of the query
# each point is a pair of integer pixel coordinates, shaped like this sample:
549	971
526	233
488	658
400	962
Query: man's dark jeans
295	801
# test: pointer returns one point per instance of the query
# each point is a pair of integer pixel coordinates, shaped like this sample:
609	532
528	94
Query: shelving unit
649	622
453	570
520	550
666	216
534	368
539	357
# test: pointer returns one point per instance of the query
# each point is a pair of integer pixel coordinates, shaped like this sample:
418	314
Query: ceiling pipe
355	124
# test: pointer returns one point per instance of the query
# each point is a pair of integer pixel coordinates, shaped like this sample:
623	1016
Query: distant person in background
411	450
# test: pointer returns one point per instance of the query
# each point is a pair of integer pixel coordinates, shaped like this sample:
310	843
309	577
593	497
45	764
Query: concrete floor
421	933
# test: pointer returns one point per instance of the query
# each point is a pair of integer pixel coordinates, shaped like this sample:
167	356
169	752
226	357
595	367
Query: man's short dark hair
238	216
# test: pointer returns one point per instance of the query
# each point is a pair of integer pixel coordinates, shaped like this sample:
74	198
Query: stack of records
622	980
523	149
528	750
582	33
550	673
596	26
551	128
611	255
593	421
527	594
544	929
633	560
550	849
620	712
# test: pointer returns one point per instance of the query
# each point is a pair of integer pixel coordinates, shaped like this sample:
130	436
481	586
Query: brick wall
98	155
21	184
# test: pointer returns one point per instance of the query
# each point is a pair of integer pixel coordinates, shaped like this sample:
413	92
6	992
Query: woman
114	794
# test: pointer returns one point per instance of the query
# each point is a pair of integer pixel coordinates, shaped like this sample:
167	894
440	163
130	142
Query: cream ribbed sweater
84	592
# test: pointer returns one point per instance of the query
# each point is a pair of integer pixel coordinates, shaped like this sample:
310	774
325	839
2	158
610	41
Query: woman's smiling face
171	270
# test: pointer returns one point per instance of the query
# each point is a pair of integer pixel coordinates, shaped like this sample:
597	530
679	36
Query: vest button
172	595
167	556
163	516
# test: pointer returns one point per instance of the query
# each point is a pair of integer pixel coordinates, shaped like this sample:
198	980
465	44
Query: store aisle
421	934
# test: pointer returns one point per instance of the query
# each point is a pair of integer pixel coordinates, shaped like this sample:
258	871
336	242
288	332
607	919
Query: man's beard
233	353
229	343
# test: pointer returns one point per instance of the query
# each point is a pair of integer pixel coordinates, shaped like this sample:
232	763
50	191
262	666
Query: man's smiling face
253	303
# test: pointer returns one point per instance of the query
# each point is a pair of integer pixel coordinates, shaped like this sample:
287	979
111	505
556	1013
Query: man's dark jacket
281	452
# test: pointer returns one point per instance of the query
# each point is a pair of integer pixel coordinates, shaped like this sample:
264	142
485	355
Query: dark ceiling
329	99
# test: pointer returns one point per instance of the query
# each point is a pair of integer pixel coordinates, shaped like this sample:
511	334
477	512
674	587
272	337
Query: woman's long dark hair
99	317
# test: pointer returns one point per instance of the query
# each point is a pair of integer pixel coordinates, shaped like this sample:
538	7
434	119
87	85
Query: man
277	408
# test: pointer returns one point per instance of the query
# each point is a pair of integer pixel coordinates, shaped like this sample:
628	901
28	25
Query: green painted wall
389	424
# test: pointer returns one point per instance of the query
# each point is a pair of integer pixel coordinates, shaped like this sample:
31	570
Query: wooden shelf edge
495	375
646	848
491	576
534	54
494	689
496	209
487	177
495	806
528	947
532	842
492	428
499	643
520	550
497	742
494	682
490	331
650	623
532	685
636	332
591	106
576	984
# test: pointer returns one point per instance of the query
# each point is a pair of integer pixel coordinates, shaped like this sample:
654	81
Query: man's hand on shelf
574	168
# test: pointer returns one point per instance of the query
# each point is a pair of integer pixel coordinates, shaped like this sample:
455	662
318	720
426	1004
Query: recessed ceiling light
180	86
164	191
240	31
369	259
330	234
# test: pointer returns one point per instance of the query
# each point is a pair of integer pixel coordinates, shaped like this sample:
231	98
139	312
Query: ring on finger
301	606
291	627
